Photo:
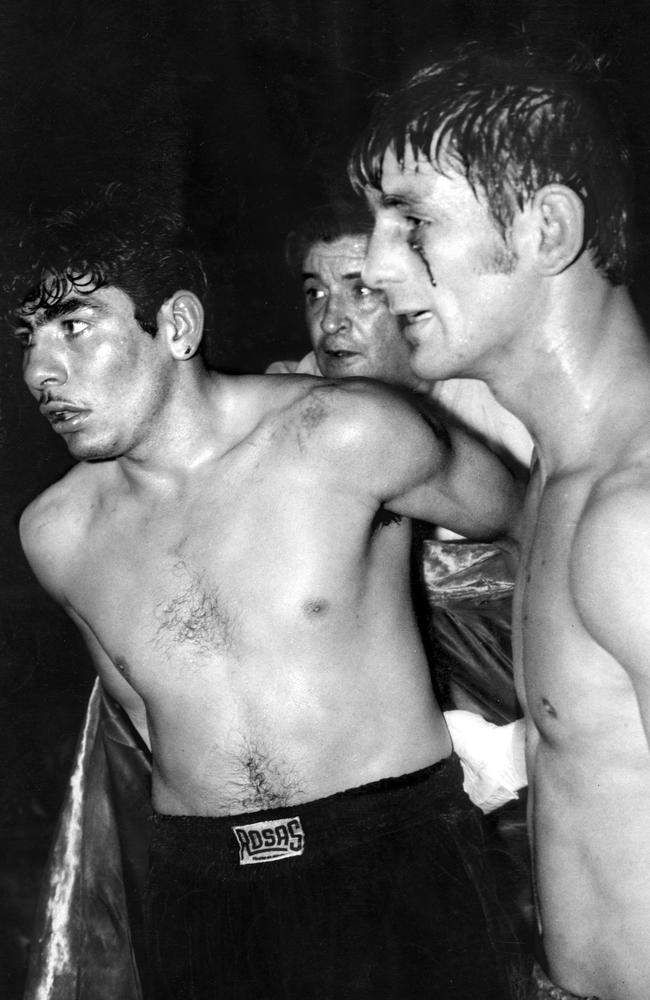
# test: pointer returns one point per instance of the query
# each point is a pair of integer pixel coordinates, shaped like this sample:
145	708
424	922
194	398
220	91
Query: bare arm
413	465
471	491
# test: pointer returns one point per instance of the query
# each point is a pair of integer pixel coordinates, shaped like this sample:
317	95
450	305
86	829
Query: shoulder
351	428
359	403
323	404
359	417
54	524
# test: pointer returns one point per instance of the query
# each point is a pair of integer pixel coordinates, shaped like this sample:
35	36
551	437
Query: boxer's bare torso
252	612
584	640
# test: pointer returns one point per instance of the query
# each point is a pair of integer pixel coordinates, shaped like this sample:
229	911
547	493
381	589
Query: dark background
243	112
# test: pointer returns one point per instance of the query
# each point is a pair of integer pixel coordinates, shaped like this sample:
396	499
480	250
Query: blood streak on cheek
417	248
427	265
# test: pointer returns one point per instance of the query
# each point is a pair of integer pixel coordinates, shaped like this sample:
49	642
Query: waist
315	830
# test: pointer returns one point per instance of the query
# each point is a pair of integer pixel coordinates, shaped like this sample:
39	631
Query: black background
243	111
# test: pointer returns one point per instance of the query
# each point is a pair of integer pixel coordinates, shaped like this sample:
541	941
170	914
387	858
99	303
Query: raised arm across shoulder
409	461
371	433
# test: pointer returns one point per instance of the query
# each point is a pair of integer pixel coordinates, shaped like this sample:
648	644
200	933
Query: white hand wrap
493	757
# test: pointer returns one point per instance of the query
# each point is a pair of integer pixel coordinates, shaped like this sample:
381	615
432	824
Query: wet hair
511	123
119	238
326	224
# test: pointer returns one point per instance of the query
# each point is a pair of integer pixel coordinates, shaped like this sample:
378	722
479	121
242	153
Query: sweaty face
444	267
99	379
351	329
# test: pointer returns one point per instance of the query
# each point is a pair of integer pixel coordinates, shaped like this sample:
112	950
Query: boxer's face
99	379
446	270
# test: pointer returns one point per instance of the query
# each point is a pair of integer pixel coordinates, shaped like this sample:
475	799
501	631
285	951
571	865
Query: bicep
375	437
412	464
469	490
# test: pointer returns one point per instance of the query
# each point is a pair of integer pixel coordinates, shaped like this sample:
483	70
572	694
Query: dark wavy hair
511	123
121	238
326	224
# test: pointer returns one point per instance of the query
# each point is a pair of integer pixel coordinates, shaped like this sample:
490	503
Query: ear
559	219
180	320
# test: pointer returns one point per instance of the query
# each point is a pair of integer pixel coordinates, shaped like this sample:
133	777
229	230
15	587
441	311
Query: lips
340	354
64	417
411	318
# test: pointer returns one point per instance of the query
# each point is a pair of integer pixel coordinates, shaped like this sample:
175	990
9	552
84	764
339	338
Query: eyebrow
57	310
67	306
397	201
350	276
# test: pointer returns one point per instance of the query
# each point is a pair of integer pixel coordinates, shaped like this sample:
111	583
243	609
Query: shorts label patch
270	840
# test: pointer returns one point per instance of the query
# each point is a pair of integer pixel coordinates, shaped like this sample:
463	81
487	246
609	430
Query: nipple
548	708
319	606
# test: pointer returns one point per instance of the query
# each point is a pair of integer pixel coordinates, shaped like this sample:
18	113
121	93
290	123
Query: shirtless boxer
235	552
501	236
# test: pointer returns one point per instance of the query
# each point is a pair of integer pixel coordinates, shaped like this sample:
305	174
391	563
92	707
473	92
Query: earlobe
560	217
183	314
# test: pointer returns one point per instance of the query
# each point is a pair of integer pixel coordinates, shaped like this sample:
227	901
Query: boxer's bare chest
189	581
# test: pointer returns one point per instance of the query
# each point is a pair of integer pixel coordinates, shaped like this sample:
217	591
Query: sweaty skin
239	594
587	745
566	352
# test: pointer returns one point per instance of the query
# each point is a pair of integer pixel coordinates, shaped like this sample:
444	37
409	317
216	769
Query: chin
92	451
343	370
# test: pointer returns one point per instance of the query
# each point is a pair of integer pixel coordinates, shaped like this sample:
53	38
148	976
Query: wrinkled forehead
341	257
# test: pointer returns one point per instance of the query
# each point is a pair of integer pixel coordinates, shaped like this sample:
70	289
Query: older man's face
351	329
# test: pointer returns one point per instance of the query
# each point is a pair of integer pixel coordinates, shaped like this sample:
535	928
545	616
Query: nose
335	315
382	267
44	366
